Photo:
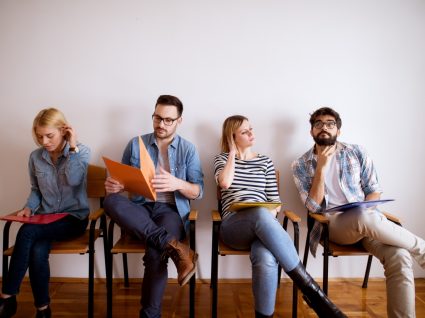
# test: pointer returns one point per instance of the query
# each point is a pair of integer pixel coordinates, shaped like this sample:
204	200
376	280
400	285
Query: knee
26	233
40	251
397	261
112	203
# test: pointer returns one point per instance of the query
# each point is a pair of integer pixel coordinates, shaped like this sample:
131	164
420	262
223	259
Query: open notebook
135	180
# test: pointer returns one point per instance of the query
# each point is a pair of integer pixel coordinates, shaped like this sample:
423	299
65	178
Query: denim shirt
357	179
184	164
59	187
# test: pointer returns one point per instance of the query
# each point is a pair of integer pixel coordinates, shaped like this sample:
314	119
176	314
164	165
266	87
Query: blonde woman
244	175
58	170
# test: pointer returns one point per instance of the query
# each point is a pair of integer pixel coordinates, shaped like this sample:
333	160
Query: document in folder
35	219
135	180
237	206
352	205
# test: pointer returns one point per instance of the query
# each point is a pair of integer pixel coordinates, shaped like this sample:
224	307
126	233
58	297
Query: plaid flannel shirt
358	178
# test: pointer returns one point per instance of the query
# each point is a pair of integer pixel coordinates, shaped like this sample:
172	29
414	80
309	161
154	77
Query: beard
325	141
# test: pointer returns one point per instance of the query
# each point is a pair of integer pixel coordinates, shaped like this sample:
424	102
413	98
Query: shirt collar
174	143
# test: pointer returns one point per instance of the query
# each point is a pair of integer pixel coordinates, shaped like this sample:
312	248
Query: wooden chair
127	244
334	249
81	245
219	248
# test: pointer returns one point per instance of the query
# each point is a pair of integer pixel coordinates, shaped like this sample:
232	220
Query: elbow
224	185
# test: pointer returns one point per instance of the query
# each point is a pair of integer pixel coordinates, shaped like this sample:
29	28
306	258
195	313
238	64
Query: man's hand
324	155
113	186
165	182
24	212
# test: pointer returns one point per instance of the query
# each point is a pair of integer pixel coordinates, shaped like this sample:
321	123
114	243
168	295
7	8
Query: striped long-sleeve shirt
254	181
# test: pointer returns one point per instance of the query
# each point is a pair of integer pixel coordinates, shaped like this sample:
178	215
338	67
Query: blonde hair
49	117
230	125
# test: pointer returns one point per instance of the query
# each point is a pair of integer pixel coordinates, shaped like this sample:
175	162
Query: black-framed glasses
329	124
167	121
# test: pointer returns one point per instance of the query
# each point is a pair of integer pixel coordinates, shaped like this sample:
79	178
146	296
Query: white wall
105	62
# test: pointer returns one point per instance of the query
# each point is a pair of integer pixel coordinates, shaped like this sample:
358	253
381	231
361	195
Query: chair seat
128	245
224	250
78	245
347	250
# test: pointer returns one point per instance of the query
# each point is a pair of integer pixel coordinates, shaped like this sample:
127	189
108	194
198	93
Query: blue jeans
31	251
155	223
256	229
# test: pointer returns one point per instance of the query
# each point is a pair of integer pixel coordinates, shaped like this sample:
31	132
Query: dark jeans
31	251
155	223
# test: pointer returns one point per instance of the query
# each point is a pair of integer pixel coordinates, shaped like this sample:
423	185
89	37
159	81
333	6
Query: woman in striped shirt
246	176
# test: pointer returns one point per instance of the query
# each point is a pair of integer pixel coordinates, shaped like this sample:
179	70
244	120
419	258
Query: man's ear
338	132
179	121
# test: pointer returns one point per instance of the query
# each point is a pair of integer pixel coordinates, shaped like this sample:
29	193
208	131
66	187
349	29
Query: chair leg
325	259
214	270
192	296
192	287
109	286
6	230
125	266
366	275
109	272
91	284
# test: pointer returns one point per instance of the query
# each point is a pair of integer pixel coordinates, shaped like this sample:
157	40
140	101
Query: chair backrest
96	177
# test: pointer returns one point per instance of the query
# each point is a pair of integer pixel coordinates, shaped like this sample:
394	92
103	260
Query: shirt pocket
179	171
42	179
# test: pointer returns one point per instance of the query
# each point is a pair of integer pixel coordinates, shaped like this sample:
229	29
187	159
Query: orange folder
135	180
35	219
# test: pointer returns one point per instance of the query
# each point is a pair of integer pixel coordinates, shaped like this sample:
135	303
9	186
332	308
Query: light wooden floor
69	299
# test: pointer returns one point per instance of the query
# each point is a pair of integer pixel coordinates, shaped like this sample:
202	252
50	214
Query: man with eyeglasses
161	224
334	173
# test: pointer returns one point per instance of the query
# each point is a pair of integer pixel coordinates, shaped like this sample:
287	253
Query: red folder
35	219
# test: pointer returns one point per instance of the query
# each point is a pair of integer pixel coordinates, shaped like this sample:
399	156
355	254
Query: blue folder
364	204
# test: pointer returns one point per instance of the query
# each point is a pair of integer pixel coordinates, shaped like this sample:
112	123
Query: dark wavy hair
170	100
323	111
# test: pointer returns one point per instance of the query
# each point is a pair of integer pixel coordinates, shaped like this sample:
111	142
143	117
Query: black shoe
259	315
8	306
314	296
45	313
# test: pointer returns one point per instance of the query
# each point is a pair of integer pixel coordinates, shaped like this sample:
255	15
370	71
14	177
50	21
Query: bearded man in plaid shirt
334	173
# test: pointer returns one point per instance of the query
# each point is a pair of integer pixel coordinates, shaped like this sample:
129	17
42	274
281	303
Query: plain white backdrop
104	63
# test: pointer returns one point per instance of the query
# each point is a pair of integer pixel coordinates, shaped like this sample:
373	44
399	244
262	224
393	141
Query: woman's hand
113	186
24	212
70	136
233	149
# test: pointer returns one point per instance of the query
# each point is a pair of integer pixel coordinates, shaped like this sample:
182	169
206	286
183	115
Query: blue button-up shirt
357	179
184	164
59	187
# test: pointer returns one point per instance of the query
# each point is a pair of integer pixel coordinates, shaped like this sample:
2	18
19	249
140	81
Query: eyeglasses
167	121
329	124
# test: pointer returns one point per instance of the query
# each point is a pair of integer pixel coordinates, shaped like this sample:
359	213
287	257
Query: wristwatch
74	149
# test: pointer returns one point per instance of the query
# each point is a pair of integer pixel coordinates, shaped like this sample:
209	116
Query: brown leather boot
184	259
